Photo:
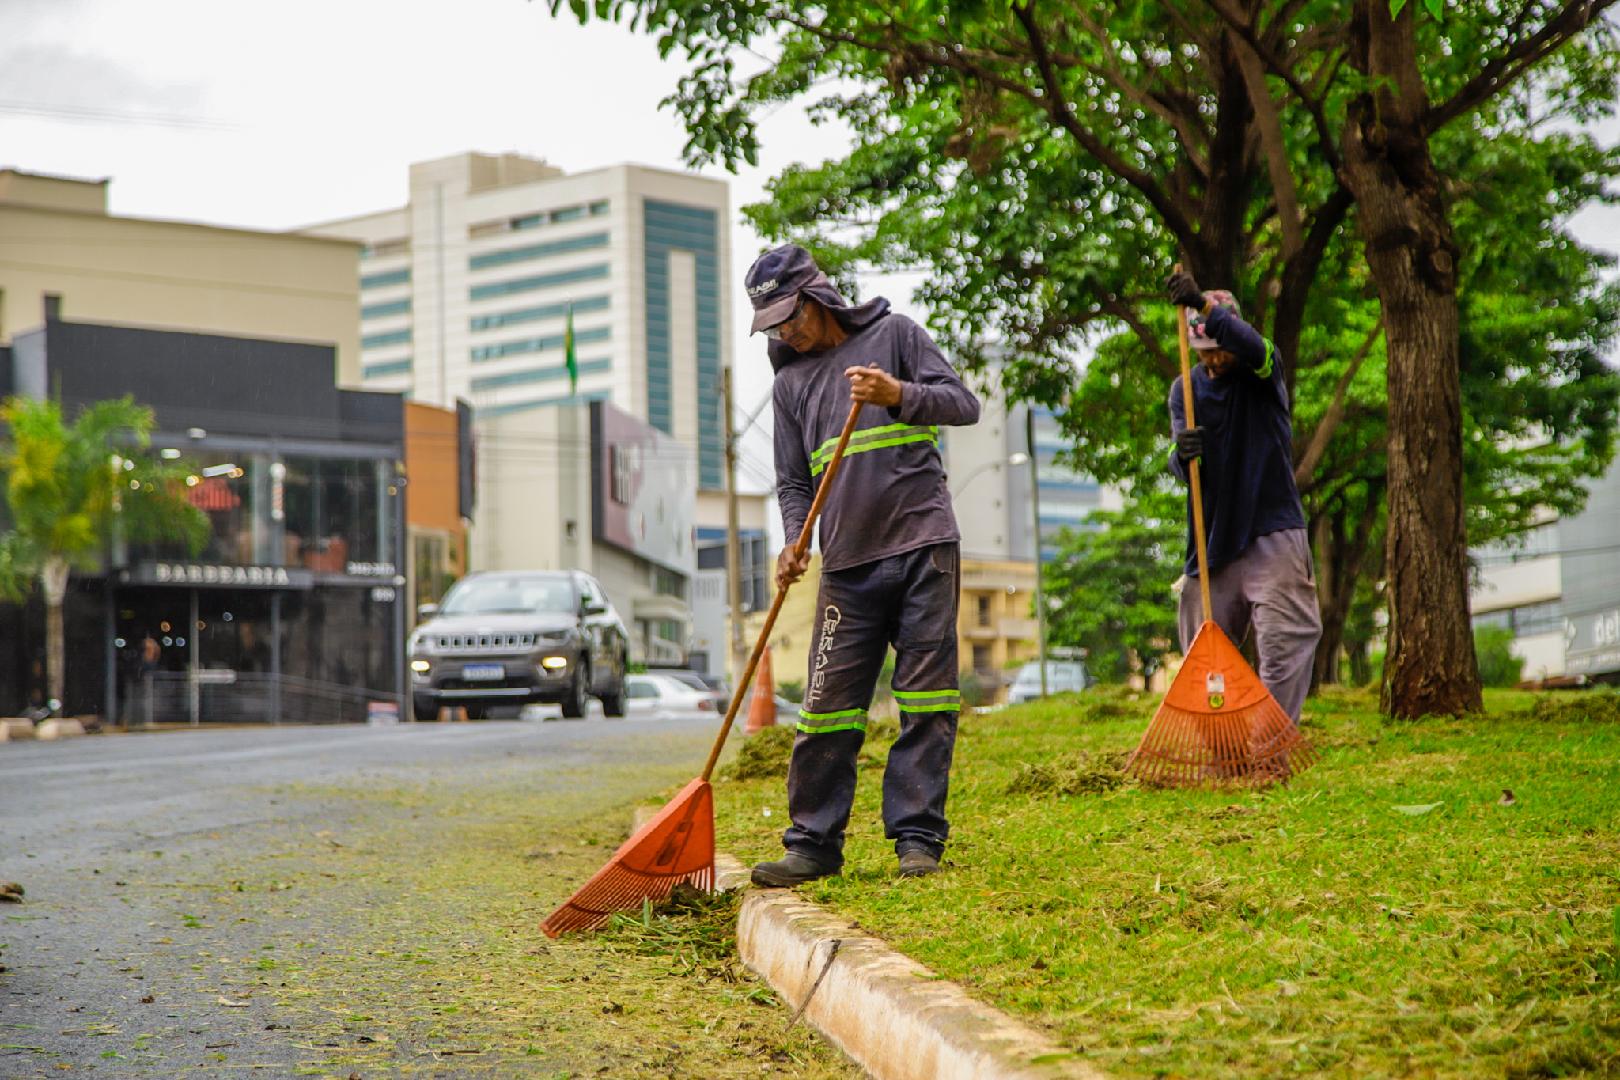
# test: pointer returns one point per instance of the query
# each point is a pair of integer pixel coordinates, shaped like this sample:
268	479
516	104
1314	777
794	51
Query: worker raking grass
890	558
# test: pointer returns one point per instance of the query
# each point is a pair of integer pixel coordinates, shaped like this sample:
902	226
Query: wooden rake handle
800	547
1193	481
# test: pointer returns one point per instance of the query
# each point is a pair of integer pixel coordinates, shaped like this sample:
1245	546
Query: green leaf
1395	7
1437	9
1418	810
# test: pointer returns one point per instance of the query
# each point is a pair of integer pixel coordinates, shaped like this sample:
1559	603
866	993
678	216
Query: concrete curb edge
888	1013
891	1015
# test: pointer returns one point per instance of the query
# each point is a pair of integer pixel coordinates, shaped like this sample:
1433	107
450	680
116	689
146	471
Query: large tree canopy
1050	162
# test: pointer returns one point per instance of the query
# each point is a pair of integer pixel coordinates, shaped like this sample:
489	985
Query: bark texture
1430	665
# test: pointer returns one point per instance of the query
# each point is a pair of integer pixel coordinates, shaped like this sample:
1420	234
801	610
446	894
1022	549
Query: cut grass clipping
1435	898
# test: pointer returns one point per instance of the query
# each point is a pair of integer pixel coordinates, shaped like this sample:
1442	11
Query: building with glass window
465	292
991	493
1558	591
295	607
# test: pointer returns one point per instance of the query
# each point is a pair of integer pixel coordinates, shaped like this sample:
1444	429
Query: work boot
915	862
790	870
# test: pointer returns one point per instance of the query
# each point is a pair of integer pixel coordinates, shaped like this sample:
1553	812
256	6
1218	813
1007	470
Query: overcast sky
279	115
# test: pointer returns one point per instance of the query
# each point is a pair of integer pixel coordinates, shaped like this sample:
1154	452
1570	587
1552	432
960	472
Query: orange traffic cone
762	706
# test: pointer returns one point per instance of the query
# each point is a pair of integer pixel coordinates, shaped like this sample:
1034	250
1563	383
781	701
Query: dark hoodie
890	495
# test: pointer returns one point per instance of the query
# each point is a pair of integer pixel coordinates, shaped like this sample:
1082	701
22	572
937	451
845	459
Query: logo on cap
764	287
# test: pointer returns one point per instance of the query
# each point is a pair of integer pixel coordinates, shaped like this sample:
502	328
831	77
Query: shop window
340	634
336	513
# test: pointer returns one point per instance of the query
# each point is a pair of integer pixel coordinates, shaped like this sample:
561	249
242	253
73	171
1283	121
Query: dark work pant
908	601
1271	588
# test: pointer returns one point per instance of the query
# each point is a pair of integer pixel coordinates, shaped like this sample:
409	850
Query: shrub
1493	646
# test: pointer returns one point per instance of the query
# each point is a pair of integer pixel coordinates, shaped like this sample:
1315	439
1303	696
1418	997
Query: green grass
1388	913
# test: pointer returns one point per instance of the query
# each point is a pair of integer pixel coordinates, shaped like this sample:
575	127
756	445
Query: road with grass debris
337	901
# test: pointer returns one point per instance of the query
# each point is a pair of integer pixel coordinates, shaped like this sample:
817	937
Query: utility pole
1035	503
739	648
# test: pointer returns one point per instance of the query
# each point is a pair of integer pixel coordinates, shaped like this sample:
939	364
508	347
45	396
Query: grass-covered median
1394	911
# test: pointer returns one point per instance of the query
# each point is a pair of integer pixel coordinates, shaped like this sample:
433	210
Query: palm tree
72	489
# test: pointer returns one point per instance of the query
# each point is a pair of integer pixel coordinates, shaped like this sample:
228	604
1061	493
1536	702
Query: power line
91	114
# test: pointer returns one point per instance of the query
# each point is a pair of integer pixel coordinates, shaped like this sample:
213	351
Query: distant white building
994	509
465	292
988	473
1559	592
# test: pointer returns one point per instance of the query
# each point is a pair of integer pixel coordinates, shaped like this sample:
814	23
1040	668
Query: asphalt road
158	866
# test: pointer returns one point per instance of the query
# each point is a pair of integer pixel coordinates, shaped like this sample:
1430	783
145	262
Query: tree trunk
1430	665
1325	668
54	579
1340	564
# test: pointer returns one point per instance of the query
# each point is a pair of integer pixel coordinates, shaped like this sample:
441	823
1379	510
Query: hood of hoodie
853	319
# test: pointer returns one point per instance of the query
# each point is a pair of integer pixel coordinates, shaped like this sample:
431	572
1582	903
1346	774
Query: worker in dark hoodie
890	558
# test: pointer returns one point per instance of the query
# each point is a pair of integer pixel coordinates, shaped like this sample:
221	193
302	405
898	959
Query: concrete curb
59	728
890	1014
15	728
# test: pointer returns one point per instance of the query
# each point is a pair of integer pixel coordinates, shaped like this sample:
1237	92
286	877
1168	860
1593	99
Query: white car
660	697
1062	677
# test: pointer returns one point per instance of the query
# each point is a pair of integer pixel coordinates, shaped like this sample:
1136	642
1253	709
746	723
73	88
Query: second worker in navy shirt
1260	573
890	557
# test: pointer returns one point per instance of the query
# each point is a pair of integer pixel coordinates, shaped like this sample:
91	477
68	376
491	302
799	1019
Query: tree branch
1504	70
1062	112
1324	134
1126	314
1276	150
1192	136
1328	426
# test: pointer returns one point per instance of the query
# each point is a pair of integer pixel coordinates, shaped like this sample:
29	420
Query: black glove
1184	290
1189	444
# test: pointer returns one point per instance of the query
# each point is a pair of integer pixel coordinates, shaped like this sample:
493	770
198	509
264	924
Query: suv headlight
554	635
418	642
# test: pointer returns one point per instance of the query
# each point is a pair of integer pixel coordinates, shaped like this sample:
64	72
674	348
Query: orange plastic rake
1218	724
677	844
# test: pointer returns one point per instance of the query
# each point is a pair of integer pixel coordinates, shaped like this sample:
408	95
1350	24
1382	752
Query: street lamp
1035	507
1016	458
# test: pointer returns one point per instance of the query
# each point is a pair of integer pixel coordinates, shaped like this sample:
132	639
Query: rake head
676	845
1218	725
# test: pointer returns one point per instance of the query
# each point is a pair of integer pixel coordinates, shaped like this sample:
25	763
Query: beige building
995	626
58	240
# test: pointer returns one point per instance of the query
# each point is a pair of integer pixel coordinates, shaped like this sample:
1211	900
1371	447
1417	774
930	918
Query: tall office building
465	292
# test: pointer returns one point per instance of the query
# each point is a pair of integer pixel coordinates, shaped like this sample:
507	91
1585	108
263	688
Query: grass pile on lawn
1433	898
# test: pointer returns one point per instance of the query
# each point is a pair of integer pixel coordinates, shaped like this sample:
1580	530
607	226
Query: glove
1184	290
1189	444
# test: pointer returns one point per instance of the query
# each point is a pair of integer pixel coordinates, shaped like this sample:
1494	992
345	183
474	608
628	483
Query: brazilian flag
570	358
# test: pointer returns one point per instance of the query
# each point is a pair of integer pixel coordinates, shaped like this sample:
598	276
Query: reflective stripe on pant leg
916	779
846	654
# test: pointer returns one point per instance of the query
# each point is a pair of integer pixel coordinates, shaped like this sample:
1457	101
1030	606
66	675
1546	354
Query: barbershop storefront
294	608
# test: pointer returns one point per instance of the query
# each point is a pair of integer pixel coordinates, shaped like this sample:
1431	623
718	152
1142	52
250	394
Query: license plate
483	671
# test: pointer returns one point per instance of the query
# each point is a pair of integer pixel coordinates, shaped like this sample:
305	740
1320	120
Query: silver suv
511	638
